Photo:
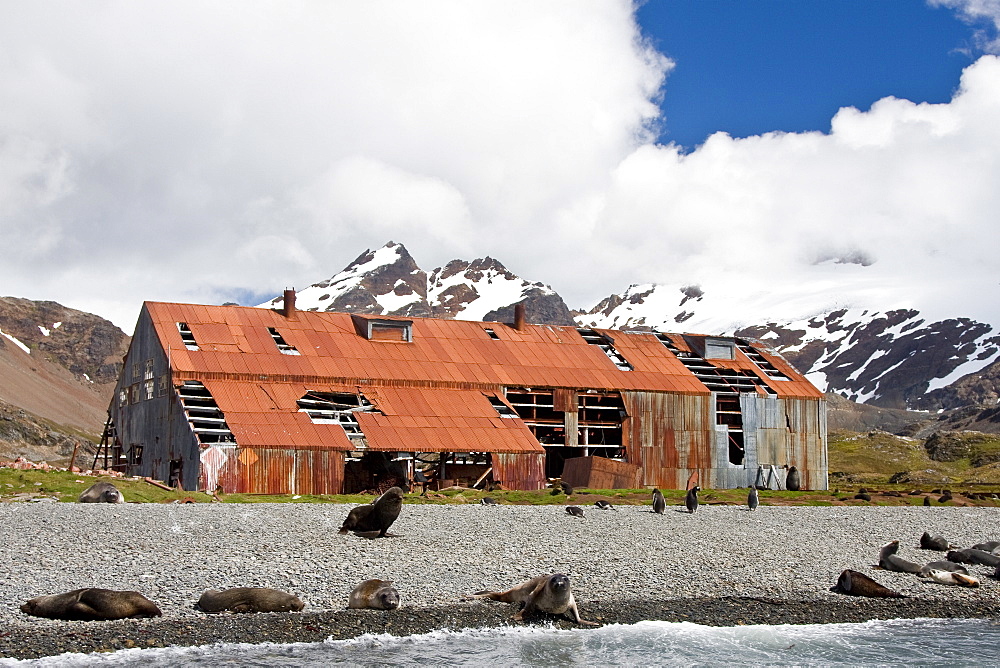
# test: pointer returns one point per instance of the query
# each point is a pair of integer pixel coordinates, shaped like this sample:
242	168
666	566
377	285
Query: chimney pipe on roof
519	316
288	303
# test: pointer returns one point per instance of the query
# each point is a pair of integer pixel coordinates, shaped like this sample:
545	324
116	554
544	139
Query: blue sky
245	146
747	67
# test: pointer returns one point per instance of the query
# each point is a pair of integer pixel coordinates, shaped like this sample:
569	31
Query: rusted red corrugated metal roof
234	341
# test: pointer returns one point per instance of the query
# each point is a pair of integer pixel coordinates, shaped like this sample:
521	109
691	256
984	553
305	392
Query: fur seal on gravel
858	584
546	593
101	492
249	599
929	542
376	516
691	500
890	561
970	556
575	511
604	505
953	578
659	505
92	604
988	546
926	569
374	595
753	499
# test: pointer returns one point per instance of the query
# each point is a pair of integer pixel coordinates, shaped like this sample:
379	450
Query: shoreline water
723	566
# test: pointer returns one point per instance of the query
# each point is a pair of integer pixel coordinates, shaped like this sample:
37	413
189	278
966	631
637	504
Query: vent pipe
288	304
519	316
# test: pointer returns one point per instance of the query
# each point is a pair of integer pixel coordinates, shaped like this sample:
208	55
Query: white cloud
190	150
982	13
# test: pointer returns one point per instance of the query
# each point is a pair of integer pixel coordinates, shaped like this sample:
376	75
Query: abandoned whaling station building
253	400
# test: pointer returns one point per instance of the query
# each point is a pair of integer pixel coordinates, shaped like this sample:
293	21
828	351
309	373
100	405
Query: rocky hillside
388	281
58	367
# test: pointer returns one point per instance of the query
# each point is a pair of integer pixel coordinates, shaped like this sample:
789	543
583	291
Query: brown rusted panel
565	400
318	472
601	473
519	471
670	436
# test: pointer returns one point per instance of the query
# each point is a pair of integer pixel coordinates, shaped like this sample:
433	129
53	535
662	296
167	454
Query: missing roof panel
604	343
279	340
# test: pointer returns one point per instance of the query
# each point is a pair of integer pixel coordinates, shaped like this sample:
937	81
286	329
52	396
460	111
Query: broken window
187	336
204	415
502	409
149	370
492	334
607	345
123	397
133	393
135	455
338	408
279	340
769	369
163	384
148	390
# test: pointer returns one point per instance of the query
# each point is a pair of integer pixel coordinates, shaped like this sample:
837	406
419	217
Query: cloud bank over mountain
193	152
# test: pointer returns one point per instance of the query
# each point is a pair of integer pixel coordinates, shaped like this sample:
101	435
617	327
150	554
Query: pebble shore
722	566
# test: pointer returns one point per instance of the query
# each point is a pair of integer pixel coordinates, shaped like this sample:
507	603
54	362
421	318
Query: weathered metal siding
158	424
670	436
789	432
519	471
273	470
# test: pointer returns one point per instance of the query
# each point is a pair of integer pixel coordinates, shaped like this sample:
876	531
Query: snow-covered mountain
387	281
889	355
893	358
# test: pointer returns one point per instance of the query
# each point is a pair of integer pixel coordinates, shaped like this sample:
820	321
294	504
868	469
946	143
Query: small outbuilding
244	399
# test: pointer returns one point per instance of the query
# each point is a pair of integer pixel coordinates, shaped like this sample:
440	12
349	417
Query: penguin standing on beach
691	500
753	500
659	504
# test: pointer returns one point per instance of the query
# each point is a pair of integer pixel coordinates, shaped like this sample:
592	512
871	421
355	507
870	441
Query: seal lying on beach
101	492
575	511
546	593
953	578
249	599
970	556
659	505
374	595
926	569
376	516
988	546
890	561
929	542
853	583
92	604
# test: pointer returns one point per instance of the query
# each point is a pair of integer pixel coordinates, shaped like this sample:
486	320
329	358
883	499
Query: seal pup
92	604
691	500
926	569
374	595
793	481
988	546
929	542
927	500
376	516
890	561
546	593
659	505
604	505
101	492
853	583
970	556
249	599
753	499
953	578
575	511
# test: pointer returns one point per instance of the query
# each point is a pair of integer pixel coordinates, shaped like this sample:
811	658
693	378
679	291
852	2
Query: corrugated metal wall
669	436
272	470
789	432
520	471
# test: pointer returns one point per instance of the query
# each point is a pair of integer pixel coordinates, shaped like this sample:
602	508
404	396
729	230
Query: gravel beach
723	565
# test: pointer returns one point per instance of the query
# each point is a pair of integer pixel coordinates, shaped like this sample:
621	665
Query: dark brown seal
249	599
546	593
890	561
929	542
793	481
92	604
858	584
377	516
101	492
374	595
